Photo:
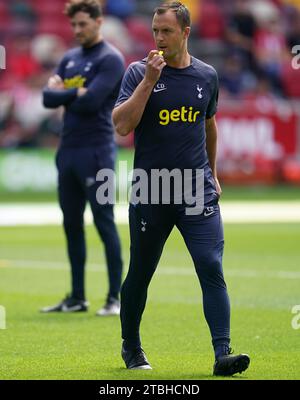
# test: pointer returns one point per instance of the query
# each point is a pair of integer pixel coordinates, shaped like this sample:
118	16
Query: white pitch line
232	212
162	270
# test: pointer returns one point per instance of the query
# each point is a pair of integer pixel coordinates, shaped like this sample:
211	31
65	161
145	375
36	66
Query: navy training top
171	133
87	119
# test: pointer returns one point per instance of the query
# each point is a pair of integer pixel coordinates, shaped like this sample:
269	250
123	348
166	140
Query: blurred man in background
86	84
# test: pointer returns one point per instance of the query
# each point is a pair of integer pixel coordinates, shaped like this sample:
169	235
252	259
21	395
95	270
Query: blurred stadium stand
249	42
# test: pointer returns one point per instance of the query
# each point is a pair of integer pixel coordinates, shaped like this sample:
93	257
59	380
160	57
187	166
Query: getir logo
183	115
77	82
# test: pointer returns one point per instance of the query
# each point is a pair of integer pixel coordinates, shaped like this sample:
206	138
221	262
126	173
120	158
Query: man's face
168	34
85	28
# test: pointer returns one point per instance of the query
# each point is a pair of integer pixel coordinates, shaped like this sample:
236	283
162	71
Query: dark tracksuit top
87	119
171	133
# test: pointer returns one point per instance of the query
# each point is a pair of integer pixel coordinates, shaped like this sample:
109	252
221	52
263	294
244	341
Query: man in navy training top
87	84
170	99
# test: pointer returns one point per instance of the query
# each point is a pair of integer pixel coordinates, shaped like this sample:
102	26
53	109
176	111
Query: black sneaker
135	359
69	304
230	364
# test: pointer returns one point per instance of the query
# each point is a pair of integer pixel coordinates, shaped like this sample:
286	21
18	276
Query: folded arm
55	95
92	98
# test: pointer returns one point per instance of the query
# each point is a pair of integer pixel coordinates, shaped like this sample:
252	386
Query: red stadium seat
50	25
4	18
3	10
52	8
140	32
291	81
211	23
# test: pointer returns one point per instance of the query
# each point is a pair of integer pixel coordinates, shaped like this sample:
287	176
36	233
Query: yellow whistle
160	52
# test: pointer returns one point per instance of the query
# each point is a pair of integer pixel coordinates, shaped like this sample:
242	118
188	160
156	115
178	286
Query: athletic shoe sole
144	367
237	367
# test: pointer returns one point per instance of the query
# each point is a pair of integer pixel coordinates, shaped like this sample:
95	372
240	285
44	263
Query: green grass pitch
261	265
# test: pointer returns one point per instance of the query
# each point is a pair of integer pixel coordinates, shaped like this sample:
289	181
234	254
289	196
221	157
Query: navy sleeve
128	86
60	70
110	73
55	98
213	104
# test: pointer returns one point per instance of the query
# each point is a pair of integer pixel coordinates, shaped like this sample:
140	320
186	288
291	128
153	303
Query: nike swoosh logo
159	90
207	214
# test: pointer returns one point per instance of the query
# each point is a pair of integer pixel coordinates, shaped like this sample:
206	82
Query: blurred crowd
249	42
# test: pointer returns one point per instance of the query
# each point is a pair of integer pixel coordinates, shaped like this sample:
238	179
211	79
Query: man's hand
55	82
81	91
218	186
155	65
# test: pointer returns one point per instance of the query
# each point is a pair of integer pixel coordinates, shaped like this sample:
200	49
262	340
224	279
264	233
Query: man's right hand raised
155	65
